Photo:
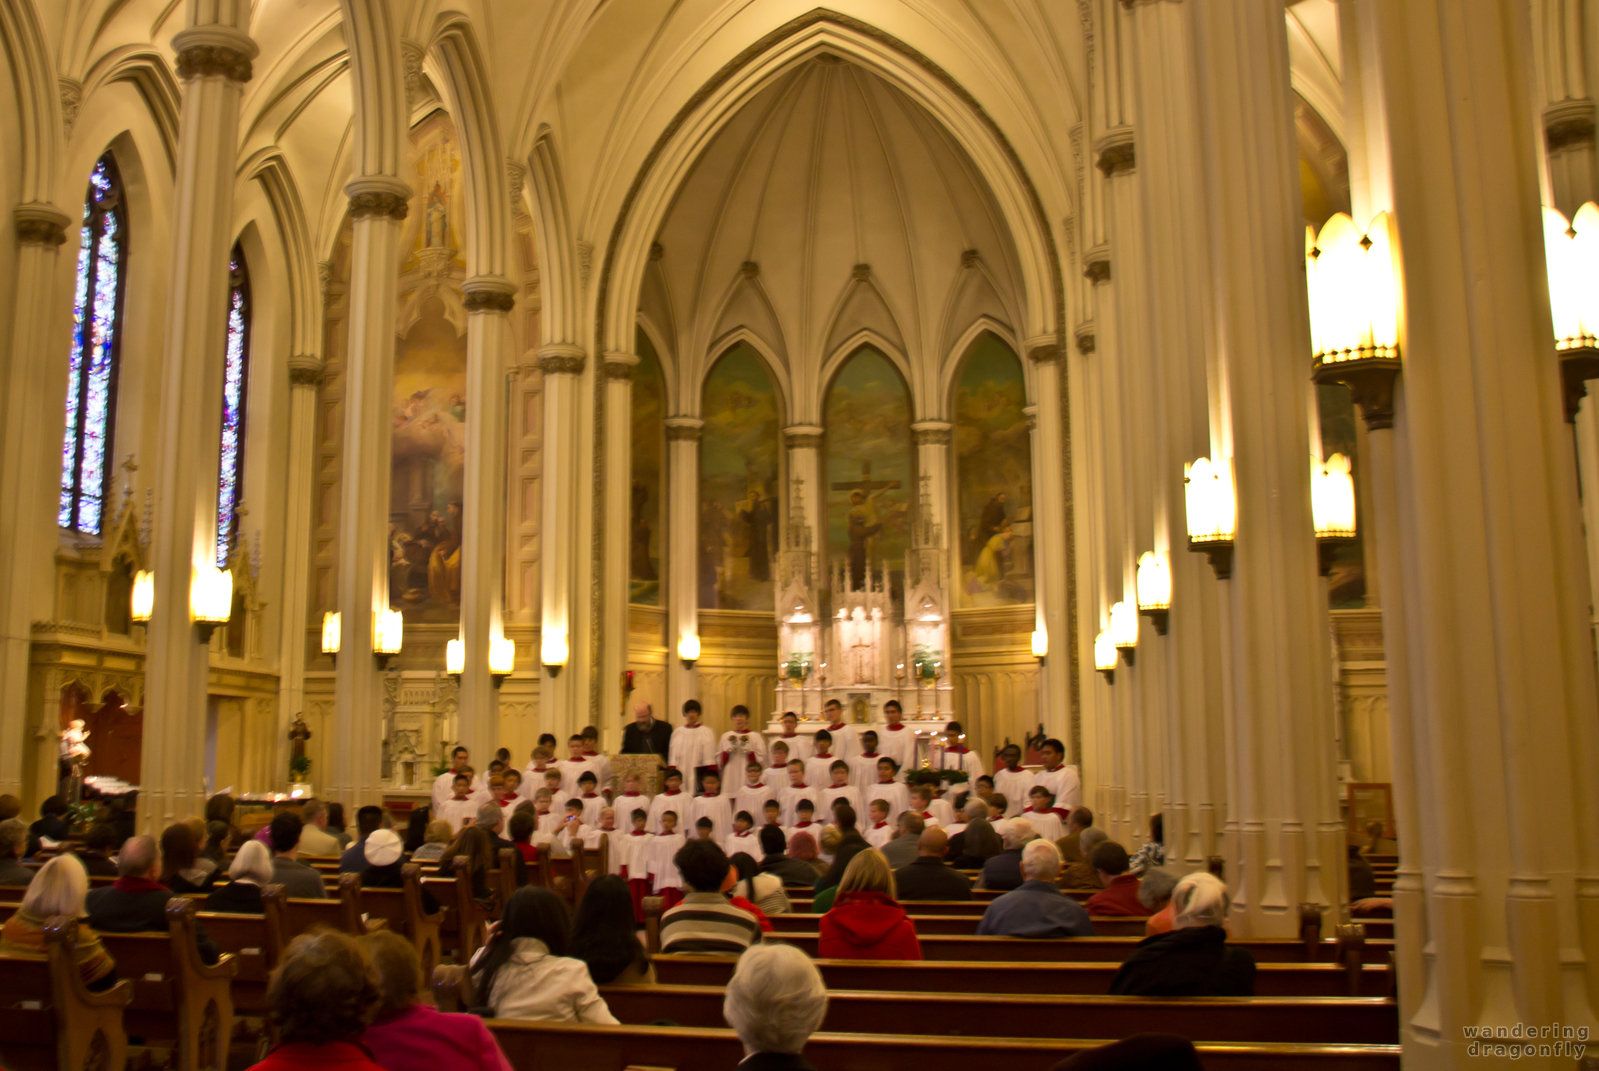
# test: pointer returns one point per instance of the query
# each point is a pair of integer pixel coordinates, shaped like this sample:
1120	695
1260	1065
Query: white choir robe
895	793
628	855
443	789
533	776
1013	785
1046	824
618	848
589	835
545	827
752	798
898	744
658	865
748	842
814	828
625	804
955	827
929	819
601	765
967	760
508	808
1064	783
735	750
668	801
571	770
791	797
456	812
942	812
849	794
800	745
879	833
819	768
715	808
846	741
593	804
863	770
776	777
691	748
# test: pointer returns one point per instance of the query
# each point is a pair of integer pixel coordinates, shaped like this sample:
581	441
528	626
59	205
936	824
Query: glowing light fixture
1154	589
1571	251
388	634
688	649
1332	507
1354	312
1105	655
1212	511
143	601
454	657
502	659
1040	644
1124	630
553	651
332	633
210	599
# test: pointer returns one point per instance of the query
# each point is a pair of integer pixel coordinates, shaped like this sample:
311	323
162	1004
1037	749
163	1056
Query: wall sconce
143	601
502	659
1040	644
1572	254
210	599
1354	313
332	633
1124	631
688	649
1105	655
553	651
1332	507
454	658
1154	589
388	635
1212	511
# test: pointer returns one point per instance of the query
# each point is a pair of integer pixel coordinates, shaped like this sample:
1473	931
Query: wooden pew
540	1046
1101	949
256	943
49	1019
1271	979
177	998
343	913
1303	1020
402	910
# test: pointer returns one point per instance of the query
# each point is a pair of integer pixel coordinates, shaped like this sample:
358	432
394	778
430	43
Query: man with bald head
645	735
928	877
137	903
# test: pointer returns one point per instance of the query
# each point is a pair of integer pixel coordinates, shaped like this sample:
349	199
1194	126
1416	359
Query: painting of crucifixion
869	469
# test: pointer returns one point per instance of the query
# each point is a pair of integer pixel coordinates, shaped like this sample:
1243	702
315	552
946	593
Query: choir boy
1041	815
1061	780
553	779
510	793
772	815
878	832
798	745
957	756
798	790
592	802
672	798
846	745
921	805
630	797
754	792
601	764
710	805
693	746
776	775
739	746
818	767
1011	780
887	788
896	739
839	788
743	838
864	765
805	820
664	877
459	809
997	805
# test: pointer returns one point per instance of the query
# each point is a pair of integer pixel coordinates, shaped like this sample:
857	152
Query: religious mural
428	440
993	477
738	484
648	441
1347	579
870	480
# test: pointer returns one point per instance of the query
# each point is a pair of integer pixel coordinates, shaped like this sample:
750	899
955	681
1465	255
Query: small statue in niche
299	733
74	743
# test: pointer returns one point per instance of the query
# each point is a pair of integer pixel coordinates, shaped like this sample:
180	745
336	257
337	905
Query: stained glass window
96	338
235	381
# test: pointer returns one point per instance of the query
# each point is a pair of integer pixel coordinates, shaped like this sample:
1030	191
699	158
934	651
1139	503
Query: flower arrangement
299	766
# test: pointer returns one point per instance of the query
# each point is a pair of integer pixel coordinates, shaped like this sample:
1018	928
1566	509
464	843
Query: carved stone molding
1085	337
861	272
1569	124
306	370
620	365
750	270
802	436
411	56
933	432
657	251
1096	264
970	258
40	224
561	364
1114	153
211	51
488	293
377	197
1044	353
681	429
71	91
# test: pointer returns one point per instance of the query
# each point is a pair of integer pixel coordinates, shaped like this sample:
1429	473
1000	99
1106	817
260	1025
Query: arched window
96	338
235	382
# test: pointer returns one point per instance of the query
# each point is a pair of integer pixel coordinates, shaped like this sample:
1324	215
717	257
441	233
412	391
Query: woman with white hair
1194	959
251	869
59	889
775	1002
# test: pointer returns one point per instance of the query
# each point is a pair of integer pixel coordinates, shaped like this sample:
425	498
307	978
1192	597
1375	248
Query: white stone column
1290	844
1050	561
214	63
1496	666
682	551
377	205
28	432
619	369
562	695
299	490
489	300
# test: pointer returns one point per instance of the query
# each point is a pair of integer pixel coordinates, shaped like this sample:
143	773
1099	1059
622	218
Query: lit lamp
454	657
1040	644
1332	506
688	649
210	599
1105	655
331	633
1572	254
1212	511
1154	589
1124	630
553	651
388	634
1354	313
502	659
143	596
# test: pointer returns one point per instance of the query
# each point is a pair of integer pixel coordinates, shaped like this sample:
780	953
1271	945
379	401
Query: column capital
620	365
1569	124
799	436
1031	413
561	359
684	428
933	432
1085	337
39	223
1044	352
306	370
213	51
1114	152
488	293
374	196
1096	264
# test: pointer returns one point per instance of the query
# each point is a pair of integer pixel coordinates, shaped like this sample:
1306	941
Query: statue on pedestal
299	733
74	757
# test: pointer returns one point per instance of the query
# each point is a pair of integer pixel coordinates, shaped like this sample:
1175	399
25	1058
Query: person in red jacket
318	1000
866	922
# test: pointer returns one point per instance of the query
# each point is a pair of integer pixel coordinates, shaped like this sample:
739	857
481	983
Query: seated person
794	873
51	828
314	836
319	1001
99	844
1071	849
775	1001
241	895
1154	892
605	937
13	842
58	889
1194	959
762	891
1036	908
299	881
866	920
436	837
1004	871
367	819
384	866
978	844
523	972
704	921
407	1034
928	877
1153	852
137	903
1120	895
183	870
1081	874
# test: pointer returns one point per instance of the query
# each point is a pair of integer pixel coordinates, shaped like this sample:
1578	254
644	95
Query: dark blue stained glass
235	379
92	366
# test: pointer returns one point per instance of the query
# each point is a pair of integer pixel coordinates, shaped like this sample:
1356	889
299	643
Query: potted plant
299	766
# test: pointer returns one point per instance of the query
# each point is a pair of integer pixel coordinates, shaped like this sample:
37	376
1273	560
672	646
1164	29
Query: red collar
789	736
588	754
138	885
927	814
868	754
672	792
822	755
835	726
1056	769
638	833
880	825
709	795
507	798
802	825
896	727
591	795
802	784
890	781
631	793
957	749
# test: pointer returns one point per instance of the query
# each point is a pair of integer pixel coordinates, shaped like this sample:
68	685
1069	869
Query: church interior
1195	385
